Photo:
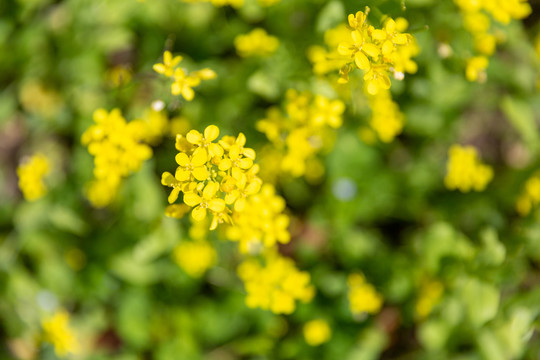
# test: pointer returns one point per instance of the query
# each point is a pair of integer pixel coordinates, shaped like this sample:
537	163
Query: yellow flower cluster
183	82
378	52
386	119
363	298
276	285
465	171
429	296
317	332
530	196
31	173
57	332
118	149
256	43
478	23
303	131
195	257
213	176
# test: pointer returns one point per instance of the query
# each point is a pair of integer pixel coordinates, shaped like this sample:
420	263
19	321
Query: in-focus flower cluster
317	332
195	257
256	43
530	196
118	148
478	23
465	171
183	81
386	118
303	131
429	295
56	331
31	173
276	285
378	52
363	298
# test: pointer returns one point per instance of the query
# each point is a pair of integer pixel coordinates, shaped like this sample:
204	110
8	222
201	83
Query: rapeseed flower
465	171
363	298
195	257
317	332
57	331
256	43
31	173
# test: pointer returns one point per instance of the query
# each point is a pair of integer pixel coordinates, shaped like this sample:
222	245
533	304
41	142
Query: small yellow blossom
428	296
36	98
386	119
57	332
276	285
256	43
119	75
183	82
530	195
377	52
195	257
465	171
317	332
118	150
305	129
476	67
31	173
363	298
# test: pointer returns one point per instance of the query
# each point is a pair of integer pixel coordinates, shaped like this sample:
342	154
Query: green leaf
521	116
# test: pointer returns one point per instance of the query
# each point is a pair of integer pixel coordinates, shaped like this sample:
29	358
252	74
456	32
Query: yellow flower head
464	170
118	150
317	332
31	173
377	52
275	286
428	296
386	118
183	82
195	257
57	332
530	195
363	298
256	43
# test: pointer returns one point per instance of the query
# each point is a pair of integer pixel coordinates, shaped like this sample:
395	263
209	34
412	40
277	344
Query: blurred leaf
521	116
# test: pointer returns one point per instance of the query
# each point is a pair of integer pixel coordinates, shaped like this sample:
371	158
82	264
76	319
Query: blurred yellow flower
256	43
57	332
317	332
465	171
195	257
31	173
363	298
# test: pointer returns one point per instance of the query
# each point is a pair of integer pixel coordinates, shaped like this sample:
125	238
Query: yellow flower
465	170
530	195
118	150
169	64
475	70
31	173
317	332
192	167
208	200
386	119
195	257
256	43
275	286
57	332
363	298
182	81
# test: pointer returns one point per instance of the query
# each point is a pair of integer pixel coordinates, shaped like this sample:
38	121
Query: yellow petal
167	57
390	25
194	137
344	49
200	173
225	164
188	93
241	140
182	159
217	205
357	37
400	39
215	150
234	152
199	157
182	174
199	213
378	35
173	195
249	153
211	133
175	88
168	179
210	190
159	68
245	163
192	199
240	204
361	61
371	50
